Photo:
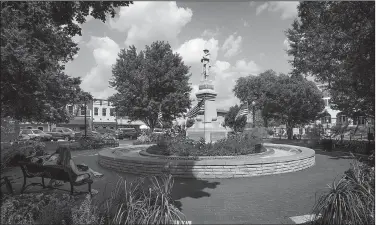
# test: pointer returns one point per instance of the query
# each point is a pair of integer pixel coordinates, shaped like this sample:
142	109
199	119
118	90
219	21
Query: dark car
62	133
132	133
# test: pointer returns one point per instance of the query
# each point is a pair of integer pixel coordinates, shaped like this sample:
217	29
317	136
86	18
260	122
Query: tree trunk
289	129
265	122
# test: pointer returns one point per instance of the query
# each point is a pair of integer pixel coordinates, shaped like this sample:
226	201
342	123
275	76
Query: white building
104	116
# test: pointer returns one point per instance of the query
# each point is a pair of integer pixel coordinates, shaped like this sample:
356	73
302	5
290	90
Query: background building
77	123
104	116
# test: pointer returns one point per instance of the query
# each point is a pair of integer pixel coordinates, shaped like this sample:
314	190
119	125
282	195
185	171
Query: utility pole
85	119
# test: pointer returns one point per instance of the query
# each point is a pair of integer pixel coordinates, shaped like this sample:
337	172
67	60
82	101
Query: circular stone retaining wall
207	167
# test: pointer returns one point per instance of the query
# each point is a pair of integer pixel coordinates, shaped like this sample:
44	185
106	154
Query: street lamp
253	113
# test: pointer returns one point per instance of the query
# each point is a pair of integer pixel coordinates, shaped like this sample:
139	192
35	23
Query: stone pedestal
206	125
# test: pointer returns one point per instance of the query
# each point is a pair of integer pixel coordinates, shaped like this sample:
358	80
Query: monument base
211	132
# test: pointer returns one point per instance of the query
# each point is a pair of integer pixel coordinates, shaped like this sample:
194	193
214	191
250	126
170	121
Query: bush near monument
237	144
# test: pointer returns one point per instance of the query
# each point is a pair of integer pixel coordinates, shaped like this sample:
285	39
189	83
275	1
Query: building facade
104	116
77	112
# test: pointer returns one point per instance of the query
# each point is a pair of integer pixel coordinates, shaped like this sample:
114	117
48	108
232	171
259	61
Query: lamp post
253	113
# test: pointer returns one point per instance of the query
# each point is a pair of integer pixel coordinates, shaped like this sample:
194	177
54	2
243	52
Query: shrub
36	208
237	144
351	200
10	155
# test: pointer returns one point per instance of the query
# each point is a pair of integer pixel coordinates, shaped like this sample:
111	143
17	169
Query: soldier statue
205	60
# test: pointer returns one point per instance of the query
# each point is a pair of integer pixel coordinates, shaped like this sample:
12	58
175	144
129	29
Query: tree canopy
290	100
36	41
149	80
253	88
335	42
236	125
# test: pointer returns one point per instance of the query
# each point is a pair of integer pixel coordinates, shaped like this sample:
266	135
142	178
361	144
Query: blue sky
243	38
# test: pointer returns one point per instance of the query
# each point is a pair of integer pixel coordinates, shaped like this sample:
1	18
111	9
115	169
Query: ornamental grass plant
350	200
144	201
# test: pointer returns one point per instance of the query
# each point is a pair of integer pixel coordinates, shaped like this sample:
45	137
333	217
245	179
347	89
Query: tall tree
335	42
236	125
252	88
150	80
297	101
36	42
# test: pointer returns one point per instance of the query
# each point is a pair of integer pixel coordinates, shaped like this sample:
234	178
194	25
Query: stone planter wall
210	168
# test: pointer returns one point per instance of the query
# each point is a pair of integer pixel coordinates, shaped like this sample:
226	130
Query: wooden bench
57	172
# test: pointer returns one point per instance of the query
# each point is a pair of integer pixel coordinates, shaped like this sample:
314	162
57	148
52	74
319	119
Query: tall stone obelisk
206	125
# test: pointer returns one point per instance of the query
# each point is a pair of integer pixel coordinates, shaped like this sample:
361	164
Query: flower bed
239	144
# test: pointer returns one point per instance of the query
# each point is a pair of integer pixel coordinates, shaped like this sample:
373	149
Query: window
361	120
104	112
27	132
82	110
112	112
326	119
100	102
96	111
70	109
326	102
342	119
40	128
108	103
29	127
111	128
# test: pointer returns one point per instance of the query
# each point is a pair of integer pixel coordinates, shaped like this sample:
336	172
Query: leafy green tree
236	125
297	101
36	42
335	42
147	80
253	88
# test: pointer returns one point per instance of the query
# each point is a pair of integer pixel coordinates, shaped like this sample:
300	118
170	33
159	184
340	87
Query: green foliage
36	208
17	151
36	42
290	100
351	200
149	79
236	125
335	42
190	122
253	88
144	201
238	144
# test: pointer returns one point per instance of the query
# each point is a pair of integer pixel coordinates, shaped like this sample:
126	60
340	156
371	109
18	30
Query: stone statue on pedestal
205	60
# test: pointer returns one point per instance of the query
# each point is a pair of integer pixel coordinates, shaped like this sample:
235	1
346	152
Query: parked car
89	134
63	133
35	134
158	131
132	132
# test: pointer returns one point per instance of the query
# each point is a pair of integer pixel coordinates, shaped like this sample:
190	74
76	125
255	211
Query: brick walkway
256	200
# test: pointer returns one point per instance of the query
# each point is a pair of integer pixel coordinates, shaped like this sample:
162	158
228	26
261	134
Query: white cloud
146	22
105	52
209	33
225	79
287	9
192	50
262	55
231	46
261	8
252	3
245	23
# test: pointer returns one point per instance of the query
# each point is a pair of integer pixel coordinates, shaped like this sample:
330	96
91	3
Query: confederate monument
206	125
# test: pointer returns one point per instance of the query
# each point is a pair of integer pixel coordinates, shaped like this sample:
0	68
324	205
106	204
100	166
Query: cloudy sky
243	38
